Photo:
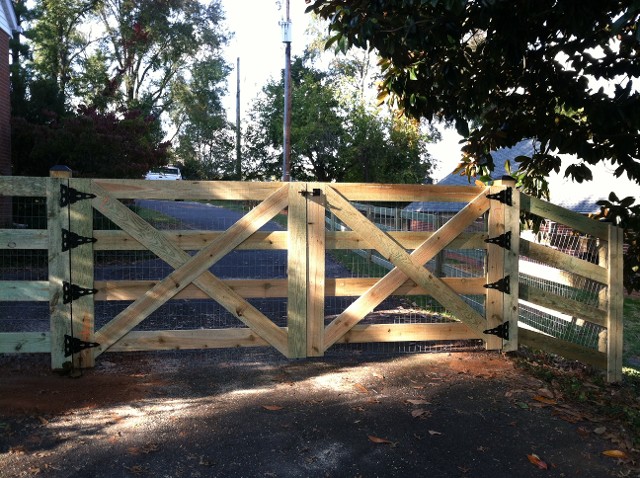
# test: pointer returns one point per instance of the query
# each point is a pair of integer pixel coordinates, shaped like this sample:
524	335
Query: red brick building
8	25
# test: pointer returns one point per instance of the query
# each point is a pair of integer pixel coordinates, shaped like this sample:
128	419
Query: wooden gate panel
411	264
190	268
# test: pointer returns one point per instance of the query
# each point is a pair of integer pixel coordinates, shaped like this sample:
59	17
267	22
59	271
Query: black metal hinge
503	285
315	192
73	345
503	240
70	196
71	292
505	196
71	240
501	331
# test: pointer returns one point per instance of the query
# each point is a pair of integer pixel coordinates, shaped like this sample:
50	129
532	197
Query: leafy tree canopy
334	135
504	70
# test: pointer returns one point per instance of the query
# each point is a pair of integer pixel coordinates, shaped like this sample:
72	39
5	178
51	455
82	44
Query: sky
258	43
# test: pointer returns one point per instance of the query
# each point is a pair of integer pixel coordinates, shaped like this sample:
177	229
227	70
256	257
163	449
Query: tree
91	143
316	131
335	135
503	71
148	45
59	41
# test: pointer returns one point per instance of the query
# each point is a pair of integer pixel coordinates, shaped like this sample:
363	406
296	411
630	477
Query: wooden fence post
615	303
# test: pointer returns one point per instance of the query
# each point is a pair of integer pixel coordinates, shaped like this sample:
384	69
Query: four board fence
461	276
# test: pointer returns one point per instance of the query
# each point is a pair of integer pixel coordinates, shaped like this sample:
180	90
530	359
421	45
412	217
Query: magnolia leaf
615	454
375	439
273	408
535	459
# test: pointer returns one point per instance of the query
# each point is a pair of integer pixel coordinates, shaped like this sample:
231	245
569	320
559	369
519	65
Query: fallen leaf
418	402
361	388
523	405
535	459
273	408
418	387
545	392
433	432
418	412
43	420
600	430
375	439
546	400
615	454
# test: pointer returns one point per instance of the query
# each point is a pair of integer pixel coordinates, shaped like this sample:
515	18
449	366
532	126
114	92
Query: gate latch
315	192
501	331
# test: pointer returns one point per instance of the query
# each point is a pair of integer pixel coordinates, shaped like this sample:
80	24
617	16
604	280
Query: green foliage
625	213
502	71
334	137
92	144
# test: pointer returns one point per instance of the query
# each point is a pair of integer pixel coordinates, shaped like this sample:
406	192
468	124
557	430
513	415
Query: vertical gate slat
511	267
316	264
58	264
82	267
297	271
494	301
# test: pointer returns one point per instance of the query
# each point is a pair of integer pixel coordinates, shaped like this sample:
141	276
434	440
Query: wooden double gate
72	291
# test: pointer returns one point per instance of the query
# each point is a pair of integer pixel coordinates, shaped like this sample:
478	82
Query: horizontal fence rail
353	264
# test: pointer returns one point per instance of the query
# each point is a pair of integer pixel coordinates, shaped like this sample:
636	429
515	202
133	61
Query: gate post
501	304
70	267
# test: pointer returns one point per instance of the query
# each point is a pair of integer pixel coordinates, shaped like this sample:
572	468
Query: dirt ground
207	414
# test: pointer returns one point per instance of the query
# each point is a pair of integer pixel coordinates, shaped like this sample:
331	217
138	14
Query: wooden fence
72	243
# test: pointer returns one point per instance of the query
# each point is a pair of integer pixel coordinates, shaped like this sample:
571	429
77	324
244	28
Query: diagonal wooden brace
407	265
190	269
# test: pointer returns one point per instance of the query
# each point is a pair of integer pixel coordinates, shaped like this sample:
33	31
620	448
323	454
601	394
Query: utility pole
238	150
286	143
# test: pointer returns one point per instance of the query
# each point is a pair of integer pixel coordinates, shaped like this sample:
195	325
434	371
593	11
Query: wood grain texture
394	279
190	269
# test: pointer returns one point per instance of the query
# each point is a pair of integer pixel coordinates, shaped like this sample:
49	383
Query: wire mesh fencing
566	285
368	263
